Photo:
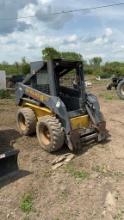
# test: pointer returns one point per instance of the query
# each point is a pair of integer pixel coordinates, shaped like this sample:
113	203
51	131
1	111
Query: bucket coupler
8	162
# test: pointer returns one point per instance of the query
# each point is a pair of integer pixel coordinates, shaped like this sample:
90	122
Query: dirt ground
90	187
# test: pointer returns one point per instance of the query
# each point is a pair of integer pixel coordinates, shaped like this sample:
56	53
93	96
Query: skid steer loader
57	112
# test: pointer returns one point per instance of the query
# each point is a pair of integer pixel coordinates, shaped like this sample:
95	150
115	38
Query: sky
91	32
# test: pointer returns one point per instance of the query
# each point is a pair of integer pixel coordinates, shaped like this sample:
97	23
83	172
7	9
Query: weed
120	215
26	203
63	196
77	174
107	96
118	174
100	169
104	170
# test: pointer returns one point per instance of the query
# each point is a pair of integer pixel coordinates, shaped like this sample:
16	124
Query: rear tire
50	133
120	90
26	121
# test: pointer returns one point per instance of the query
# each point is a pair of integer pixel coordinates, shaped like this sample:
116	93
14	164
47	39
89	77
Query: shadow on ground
83	148
7	139
12	177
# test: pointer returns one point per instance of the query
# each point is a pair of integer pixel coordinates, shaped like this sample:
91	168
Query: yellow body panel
76	123
80	122
37	95
39	111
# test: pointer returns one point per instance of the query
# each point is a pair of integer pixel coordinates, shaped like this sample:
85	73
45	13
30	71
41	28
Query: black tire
120	89
50	133
109	87
26	121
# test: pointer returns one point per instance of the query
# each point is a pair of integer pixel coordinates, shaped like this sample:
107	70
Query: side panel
80	122
39	111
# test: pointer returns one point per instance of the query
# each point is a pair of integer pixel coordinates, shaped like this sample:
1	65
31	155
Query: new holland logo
36	95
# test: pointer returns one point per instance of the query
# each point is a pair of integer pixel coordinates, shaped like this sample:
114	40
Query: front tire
26	121
120	89
50	133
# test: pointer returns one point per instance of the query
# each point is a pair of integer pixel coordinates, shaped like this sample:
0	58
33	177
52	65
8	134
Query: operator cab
68	83
59	78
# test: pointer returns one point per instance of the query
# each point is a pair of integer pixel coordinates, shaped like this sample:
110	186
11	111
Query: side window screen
42	78
68	79
42	81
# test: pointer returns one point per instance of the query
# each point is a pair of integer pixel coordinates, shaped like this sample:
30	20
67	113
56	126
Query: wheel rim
22	122
44	135
122	90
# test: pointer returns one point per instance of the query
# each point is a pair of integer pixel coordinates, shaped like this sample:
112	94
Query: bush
88	71
4	94
105	75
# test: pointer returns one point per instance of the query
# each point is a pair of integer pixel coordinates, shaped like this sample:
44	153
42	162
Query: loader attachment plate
8	162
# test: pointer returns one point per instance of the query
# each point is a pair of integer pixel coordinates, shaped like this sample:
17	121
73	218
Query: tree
95	65
71	56
50	53
25	66
96	61
114	68
16	64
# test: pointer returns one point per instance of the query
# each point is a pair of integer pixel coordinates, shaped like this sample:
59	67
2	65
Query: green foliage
96	61
105	75
71	56
114	68
88	70
10	69
25	66
50	53
93	67
26	203
16	68
4	94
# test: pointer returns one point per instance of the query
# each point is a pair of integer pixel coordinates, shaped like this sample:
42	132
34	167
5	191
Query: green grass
108	96
4	94
26	203
100	169
77	174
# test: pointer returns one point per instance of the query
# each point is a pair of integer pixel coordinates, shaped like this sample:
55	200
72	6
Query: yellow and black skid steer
57	112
